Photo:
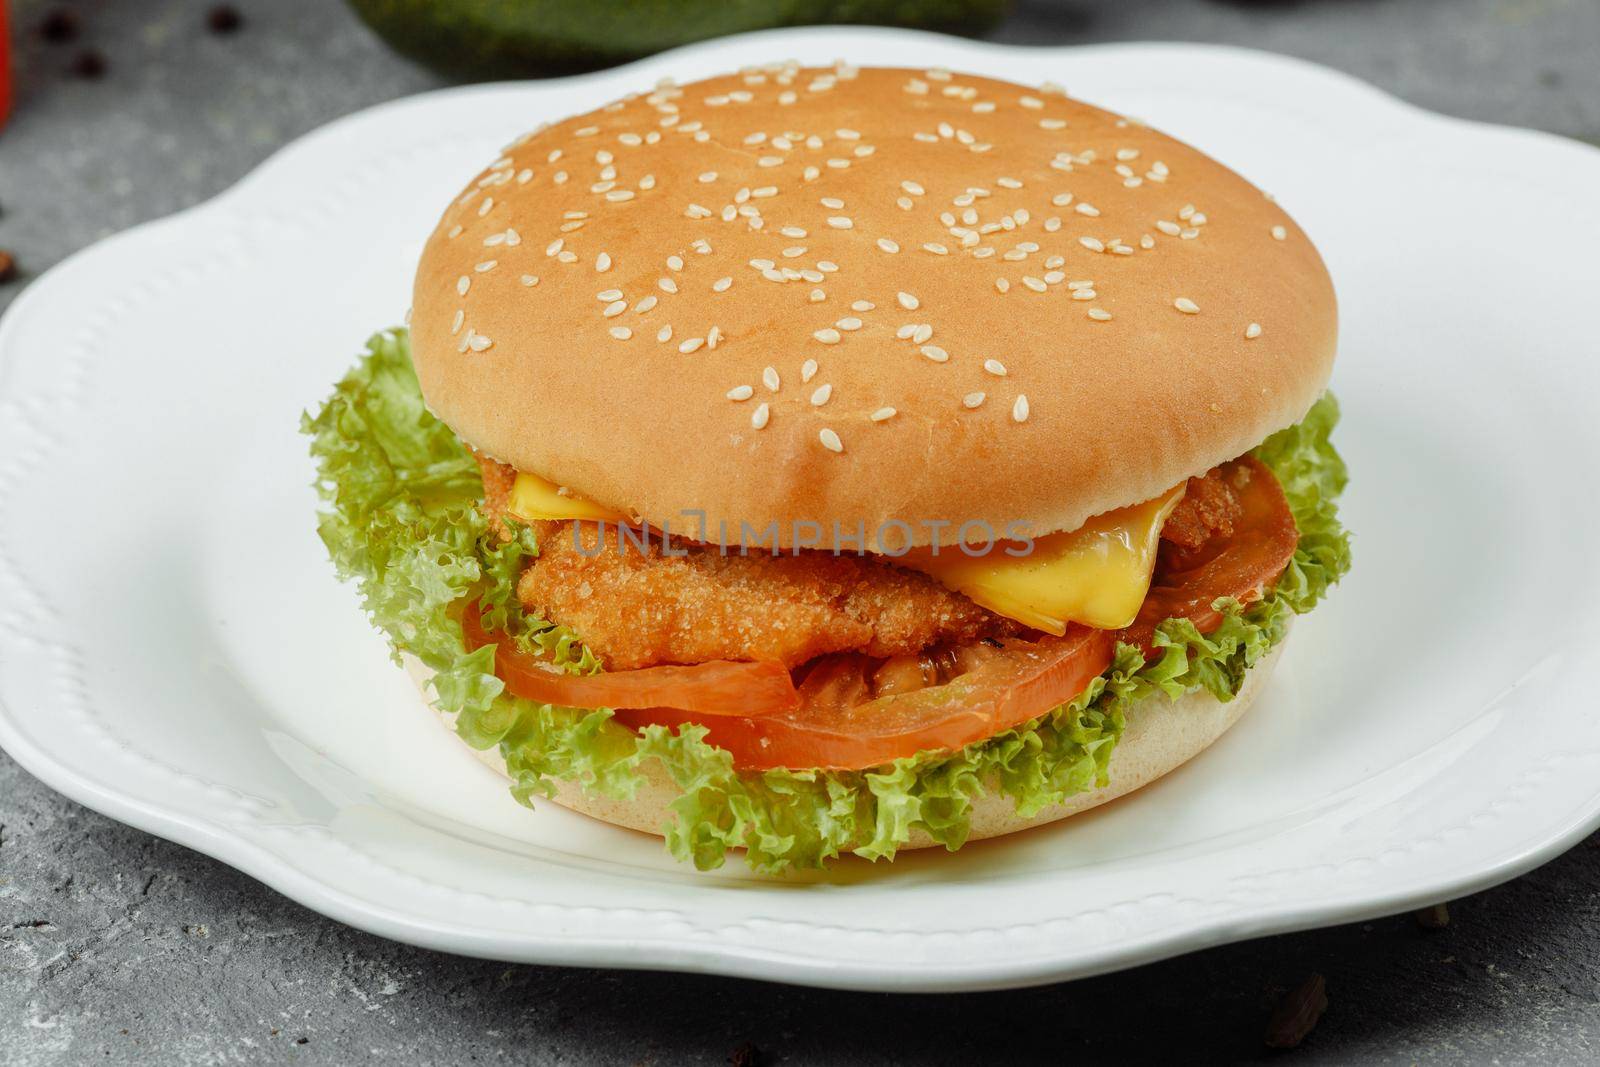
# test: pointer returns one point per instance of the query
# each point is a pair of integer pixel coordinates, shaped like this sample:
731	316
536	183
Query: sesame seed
827	266
831	202
808	370
602	262
487	265
849	323
936	249
935	353
675	262
1099	315
794	252
820	395
455	323
721	285
1168	227
1083	208
769	378
667	285
840	222
921	333
1279	233
907	301
1052	124
1002	284
1252	331
554	246
818	296
463	283
608	295
645	304
664	334
1036	284
478	342
887	245
567	256
740	392
615	308
972	400
691	345
708	177
913	188
530	280
830	440
621	333
827	336
862	305
619	195
1019	410
1187	306
1092	244
758	417
995	367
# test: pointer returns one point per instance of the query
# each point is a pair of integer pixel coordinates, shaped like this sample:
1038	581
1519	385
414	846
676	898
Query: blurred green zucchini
518	38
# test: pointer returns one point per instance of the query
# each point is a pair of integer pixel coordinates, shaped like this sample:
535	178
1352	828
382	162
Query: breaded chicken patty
640	607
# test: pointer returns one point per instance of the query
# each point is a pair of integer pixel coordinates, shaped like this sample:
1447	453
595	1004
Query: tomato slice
720	687
1241	565
849	712
840	725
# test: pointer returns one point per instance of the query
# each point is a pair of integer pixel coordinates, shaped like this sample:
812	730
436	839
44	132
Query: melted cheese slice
1097	574
533	498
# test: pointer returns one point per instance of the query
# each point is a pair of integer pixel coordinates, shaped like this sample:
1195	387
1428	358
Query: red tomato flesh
840	725
721	687
1241	565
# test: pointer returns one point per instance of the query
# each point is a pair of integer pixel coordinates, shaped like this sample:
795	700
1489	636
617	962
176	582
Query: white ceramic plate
175	652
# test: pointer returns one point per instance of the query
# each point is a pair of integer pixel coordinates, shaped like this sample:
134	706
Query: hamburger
823	461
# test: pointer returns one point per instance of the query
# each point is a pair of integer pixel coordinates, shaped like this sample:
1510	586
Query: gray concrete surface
116	947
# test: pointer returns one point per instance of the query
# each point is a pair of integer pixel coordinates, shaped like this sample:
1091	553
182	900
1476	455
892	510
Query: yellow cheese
534	498
1097	574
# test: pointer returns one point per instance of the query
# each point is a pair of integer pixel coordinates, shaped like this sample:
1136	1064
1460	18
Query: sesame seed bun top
855	296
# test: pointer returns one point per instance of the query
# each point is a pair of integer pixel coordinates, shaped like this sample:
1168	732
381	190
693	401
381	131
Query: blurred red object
5	66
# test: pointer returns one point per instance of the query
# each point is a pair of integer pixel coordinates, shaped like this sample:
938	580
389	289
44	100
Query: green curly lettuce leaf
401	521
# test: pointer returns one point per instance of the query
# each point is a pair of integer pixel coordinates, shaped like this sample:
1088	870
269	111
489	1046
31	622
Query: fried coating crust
1209	508
636	608
640	606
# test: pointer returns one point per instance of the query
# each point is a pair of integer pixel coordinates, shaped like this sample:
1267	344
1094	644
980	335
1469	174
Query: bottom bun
1161	735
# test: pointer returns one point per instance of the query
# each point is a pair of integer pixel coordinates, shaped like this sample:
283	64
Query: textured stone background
116	947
